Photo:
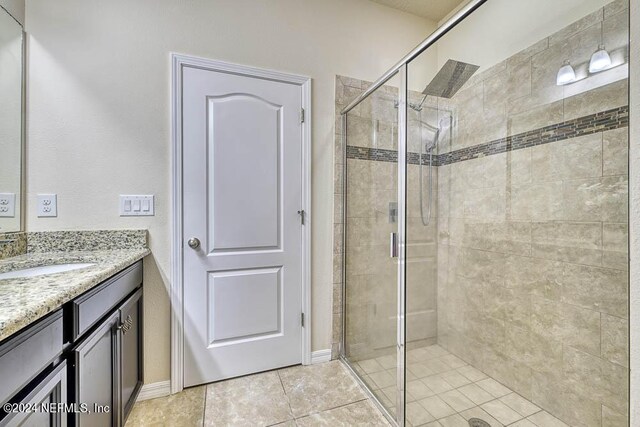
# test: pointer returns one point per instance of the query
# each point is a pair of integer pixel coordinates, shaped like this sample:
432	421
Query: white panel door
242	190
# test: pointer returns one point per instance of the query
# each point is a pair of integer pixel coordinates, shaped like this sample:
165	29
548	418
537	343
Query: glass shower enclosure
485	218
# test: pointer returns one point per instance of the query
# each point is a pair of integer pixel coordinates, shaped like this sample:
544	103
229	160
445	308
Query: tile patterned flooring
318	395
442	391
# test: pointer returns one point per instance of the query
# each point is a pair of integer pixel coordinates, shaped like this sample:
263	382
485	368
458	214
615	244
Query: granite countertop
24	300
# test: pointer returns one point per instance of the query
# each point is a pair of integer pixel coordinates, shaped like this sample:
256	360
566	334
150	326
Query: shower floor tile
446	391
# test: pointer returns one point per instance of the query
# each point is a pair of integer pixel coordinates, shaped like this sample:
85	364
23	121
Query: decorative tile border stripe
587	125
383	155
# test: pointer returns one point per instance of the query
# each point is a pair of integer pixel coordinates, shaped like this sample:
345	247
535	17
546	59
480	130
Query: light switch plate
131	205
47	205
7	204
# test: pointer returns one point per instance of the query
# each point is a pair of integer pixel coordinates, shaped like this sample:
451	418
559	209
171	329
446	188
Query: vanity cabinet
107	352
87	357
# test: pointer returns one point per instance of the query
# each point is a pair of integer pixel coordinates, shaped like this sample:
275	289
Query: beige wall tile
616	29
527	53
568	159
615	157
616	246
513	82
601	99
596	199
615	339
536	117
574	326
611	418
595	288
540	201
615	7
568	241
537	276
512	237
597	379
576	27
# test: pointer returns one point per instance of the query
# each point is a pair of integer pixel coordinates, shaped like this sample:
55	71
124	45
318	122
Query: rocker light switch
136	205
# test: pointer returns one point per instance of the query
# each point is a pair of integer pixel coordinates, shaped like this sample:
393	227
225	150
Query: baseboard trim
154	390
321	356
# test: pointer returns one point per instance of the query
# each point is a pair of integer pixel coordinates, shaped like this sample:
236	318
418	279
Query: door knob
193	243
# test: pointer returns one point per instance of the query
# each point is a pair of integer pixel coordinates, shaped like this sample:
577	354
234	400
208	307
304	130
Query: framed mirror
11	122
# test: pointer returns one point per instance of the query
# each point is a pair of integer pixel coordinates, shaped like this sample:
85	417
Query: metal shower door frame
402	247
400	68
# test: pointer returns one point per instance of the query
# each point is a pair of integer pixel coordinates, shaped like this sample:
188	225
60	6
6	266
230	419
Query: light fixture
600	60
566	74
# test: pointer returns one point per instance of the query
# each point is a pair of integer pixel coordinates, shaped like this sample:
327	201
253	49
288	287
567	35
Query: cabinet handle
126	325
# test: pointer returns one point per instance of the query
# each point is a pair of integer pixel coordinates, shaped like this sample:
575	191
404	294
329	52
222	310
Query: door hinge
302	115
302	319
302	214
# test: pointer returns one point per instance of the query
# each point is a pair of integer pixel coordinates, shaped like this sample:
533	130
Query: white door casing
241	176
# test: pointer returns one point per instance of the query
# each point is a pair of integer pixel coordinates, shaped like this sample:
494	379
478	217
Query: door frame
178	62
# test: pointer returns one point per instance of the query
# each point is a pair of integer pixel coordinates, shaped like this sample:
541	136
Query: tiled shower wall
532	234
371	273
532	258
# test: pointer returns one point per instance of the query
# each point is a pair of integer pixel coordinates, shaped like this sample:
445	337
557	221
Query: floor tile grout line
204	405
284	390
332	408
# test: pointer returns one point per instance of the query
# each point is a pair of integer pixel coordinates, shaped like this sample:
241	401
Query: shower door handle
393	245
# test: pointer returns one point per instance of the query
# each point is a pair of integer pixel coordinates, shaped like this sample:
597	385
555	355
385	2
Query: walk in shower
485	220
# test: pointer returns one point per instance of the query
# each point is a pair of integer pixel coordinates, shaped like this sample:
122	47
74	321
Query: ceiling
434	10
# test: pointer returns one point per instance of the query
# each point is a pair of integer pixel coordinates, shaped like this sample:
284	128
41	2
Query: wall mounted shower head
451	77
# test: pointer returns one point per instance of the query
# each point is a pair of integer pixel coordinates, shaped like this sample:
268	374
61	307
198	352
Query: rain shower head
451	77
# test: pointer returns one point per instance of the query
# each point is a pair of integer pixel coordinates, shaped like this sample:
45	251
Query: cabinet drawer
89	308
50	390
24	356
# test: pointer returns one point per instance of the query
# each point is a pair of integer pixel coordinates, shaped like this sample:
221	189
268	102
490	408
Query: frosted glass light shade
566	74
600	60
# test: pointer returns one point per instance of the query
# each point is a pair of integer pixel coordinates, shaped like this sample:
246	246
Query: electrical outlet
137	205
47	205
7	204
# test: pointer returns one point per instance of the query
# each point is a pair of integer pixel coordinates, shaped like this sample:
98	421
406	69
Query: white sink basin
42	270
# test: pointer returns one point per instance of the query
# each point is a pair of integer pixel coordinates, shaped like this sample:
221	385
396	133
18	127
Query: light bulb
566	74
600	60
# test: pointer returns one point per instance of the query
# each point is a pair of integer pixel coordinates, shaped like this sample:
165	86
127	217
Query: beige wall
634	189
99	110
16	8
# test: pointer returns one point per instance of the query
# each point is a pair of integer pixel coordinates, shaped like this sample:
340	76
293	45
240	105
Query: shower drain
477	422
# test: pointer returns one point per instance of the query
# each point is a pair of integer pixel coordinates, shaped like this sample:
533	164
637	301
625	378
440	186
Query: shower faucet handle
393	245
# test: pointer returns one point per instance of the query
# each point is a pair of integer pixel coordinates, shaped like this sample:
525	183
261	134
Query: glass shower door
371	227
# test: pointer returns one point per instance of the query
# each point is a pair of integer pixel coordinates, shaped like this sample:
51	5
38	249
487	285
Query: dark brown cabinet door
96	370
130	352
